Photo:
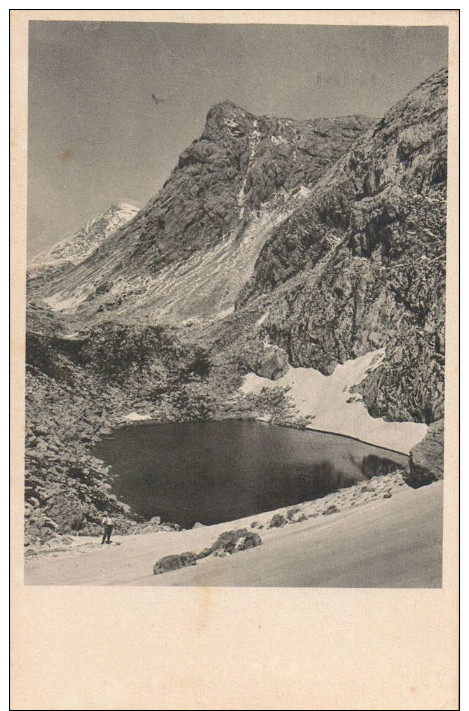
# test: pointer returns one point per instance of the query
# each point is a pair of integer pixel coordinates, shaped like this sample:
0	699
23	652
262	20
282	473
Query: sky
96	136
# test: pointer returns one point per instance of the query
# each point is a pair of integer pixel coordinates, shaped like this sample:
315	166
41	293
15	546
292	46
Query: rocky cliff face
360	265
189	252
426	462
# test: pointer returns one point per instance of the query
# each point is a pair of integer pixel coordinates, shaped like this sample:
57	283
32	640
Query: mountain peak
124	207
227	103
227	106
227	116
79	245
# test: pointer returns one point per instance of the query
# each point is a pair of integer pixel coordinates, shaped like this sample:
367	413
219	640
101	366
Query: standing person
107	526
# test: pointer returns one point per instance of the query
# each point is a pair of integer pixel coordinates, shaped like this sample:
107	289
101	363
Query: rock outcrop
227	543
230	542
190	250
266	360
174	562
360	265
426	461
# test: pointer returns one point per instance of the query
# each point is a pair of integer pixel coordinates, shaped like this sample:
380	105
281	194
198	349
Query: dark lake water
218	471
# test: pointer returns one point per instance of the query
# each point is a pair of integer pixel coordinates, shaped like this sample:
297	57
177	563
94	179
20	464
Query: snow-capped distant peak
125	207
78	246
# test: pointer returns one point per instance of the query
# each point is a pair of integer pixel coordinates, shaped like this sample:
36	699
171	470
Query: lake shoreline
56	463
150	421
388	535
347	498
214	471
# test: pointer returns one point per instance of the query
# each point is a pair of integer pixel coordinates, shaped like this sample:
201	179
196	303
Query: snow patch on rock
334	407
135	417
74	248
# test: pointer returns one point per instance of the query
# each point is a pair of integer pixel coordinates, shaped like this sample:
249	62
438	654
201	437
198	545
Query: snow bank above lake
335	408
136	417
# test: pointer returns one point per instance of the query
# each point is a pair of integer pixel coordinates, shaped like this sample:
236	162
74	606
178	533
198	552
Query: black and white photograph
234	337
235	305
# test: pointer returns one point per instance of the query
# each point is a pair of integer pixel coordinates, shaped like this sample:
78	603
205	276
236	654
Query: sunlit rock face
191	249
360	265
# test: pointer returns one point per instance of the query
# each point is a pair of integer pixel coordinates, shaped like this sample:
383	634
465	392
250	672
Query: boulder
332	509
236	540
205	553
277	521
251	540
272	363
292	512
298	519
426	460
227	543
173	562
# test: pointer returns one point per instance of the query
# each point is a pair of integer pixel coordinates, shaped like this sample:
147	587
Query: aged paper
104	647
